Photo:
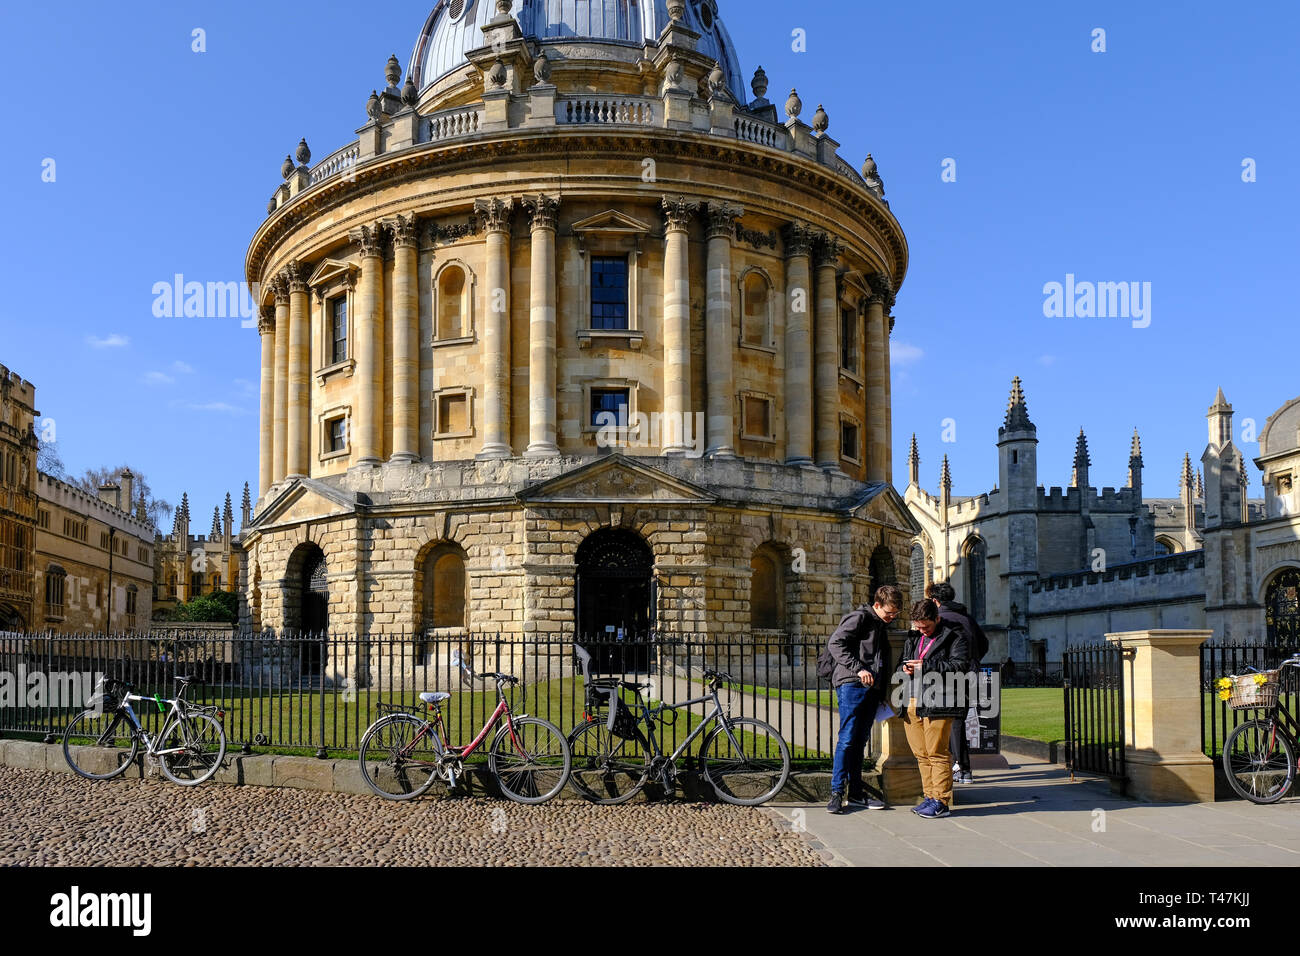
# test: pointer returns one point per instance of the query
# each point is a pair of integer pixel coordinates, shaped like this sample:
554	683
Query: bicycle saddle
434	696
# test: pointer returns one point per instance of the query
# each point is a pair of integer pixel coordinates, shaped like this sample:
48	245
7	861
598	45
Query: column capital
678	211
370	238
827	249
882	289
280	288
495	213
295	274
722	219
542	209
266	320
798	238
404	230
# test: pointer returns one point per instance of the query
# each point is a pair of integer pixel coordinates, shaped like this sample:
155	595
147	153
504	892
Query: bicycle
614	756
402	752
1259	756
189	748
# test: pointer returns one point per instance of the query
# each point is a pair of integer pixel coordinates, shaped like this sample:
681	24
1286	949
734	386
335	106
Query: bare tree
50	461
145	506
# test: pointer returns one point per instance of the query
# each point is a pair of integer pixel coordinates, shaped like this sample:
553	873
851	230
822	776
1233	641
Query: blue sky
1117	166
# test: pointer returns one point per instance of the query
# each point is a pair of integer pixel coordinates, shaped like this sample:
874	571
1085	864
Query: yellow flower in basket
1224	694
1223	683
1260	679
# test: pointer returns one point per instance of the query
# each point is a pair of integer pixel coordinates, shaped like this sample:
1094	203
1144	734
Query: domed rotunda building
579	336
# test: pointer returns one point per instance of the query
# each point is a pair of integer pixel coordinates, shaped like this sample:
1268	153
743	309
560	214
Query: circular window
455	8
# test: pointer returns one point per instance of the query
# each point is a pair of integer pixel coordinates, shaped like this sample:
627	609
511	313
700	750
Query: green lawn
1034	712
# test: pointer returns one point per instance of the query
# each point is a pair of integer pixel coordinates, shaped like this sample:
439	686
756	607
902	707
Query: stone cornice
881	233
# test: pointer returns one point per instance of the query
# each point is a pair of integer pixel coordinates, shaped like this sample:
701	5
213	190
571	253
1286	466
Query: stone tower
1018	478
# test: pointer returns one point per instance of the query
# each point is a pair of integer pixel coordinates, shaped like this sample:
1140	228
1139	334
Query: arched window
453	303
446	588
756	310
1282	610
976	553
766	589
1166	546
918	571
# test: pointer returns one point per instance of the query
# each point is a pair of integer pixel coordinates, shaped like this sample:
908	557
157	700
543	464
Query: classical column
495	215
877	380
674	432
798	345
826	354
541	328
266	447
406	355
297	439
718	340
889	399
279	453
368	416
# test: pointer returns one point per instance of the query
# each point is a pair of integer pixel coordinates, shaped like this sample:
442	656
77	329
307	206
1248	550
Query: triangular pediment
332	269
615	478
882	504
611	220
304	499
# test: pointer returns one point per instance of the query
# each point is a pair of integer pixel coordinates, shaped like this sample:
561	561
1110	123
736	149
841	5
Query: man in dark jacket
942	593
860	650
935	662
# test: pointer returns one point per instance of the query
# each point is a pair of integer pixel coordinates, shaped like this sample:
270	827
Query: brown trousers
928	738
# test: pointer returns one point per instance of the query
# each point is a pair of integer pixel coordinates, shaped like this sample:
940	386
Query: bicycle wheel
397	761
1259	761
607	769
532	764
202	743
752	774
99	745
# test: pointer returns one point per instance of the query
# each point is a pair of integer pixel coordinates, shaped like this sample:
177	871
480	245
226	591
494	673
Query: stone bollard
1162	719
900	777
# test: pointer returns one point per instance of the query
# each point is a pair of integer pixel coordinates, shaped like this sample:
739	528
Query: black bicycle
1259	756
745	760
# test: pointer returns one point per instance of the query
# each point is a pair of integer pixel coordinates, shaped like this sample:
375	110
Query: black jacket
950	655
959	616
861	642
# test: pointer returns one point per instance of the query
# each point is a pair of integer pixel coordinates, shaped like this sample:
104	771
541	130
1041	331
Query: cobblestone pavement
57	819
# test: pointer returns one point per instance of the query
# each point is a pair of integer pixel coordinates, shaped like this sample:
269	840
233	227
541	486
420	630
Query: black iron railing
1221	660
1093	684
317	693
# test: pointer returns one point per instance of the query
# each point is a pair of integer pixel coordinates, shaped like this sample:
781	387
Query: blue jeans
857	706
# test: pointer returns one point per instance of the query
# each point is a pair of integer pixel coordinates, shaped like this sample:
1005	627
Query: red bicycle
402	752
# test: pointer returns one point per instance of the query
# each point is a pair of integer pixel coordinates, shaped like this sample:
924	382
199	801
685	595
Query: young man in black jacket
943	594
935	661
860	650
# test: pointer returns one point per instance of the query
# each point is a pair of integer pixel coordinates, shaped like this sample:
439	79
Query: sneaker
871	803
934	810
837	802
966	777
923	805
874	804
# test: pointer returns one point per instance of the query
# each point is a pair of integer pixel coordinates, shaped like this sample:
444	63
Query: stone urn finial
372	105
410	95
497	74
393	71
794	105
270	206
677	9
303	152
542	69
674	73
759	84
286	168
503	7
821	121
717	79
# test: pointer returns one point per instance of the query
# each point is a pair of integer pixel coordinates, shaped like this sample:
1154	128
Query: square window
758	416
338	310
609	292
849	340
453	414
337	429
609	400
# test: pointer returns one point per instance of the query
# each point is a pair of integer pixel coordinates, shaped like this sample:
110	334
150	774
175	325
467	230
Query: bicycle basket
1250	691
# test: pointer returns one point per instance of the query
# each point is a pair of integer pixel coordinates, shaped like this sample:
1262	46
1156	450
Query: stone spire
228	519
945	488
246	508
914	464
216	524
1200	484
1079	478
1017	410
141	507
1220	421
1135	462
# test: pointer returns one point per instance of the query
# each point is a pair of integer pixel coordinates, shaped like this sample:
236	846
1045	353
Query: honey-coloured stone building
577	337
